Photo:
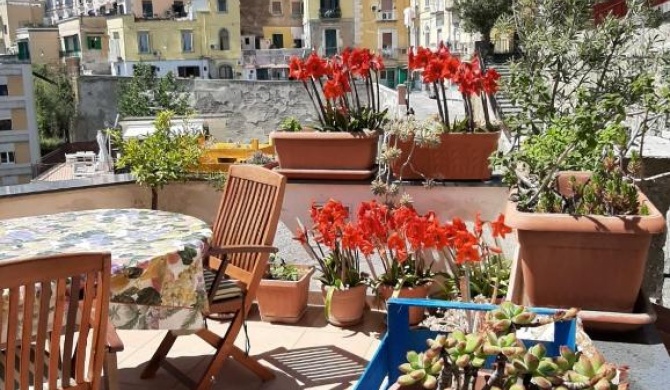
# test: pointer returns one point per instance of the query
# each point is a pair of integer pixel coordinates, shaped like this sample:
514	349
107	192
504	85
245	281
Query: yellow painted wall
15	85
347	8
19	119
22	152
159	7
268	31
312	9
213	22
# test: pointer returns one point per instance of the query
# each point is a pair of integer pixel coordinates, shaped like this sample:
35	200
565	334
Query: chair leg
111	371
252	364
221	355
160	354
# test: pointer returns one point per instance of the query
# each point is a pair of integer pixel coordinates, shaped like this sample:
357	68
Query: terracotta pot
416	314
283	300
590	262
459	156
346	306
331	155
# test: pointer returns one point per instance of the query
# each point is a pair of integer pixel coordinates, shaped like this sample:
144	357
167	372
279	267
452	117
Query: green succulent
465	349
593	372
508	314
423	368
507	345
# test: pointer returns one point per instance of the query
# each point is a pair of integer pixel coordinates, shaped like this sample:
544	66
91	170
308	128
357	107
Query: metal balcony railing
386	15
393	53
330	13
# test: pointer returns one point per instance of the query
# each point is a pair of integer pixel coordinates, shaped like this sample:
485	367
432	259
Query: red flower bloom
499	228
397	244
297	69
315	66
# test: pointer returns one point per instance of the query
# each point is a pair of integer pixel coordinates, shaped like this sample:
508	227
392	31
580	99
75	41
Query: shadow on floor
318	366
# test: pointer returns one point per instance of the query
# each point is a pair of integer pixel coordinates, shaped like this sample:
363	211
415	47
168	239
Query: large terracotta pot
346	306
330	155
416	314
590	262
283	300
459	156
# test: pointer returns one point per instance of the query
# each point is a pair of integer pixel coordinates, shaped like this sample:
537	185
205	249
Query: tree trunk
154	198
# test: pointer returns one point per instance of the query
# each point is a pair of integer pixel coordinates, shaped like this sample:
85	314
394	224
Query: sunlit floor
309	355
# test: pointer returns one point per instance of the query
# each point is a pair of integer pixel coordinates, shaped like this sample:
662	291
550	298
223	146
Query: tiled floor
309	355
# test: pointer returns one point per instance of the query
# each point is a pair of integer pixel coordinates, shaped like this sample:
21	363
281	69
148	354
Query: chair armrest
113	341
232	249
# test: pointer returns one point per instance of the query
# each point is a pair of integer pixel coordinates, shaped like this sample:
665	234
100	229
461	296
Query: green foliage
54	102
588	90
161	157
481	15
49	144
290	124
145	94
279	270
364	118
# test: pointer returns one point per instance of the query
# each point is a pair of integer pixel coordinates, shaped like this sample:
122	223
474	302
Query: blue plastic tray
400	339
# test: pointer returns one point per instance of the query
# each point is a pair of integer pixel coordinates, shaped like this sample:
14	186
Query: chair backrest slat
54	301
28	299
248	215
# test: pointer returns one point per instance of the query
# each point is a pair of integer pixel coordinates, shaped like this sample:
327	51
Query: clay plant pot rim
321	134
427	284
306	272
623	224
326	286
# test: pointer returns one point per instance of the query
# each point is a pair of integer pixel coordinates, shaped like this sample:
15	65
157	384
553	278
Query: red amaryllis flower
301	235
297	69
498	227
315	66
332	90
479	225
397	244
490	81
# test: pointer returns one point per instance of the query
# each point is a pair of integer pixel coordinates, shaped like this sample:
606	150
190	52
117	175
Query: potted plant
446	148
459	360
282	293
402	239
344	91
260	158
336	249
591	119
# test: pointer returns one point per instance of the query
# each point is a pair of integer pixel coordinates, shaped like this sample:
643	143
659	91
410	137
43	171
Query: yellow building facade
205	43
382	29
19	140
330	25
39	45
15	14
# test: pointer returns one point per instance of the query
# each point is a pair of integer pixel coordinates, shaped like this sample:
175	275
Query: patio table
157	280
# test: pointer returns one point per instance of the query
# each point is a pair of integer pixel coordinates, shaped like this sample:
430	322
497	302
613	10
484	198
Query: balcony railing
70	53
330	13
386	15
267	57
393	53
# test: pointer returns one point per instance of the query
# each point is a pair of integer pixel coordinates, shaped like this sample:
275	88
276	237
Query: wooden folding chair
53	317
244	230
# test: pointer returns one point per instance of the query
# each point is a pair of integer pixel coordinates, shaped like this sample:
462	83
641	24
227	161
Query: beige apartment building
15	14
19	140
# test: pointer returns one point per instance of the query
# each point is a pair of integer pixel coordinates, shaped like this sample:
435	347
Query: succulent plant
453	361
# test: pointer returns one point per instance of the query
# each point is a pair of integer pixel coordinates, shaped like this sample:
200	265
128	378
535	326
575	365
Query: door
330	42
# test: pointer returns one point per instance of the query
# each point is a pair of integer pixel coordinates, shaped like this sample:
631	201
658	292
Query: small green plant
259	158
290	124
279	270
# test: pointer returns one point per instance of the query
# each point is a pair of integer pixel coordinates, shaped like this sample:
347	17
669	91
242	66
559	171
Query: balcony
393	53
386	16
330	13
69	53
271	57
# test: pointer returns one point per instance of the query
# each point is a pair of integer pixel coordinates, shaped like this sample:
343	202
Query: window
5	124
3	90
115	35
188	71
277	41
187	41
143	42
297	9
226	72
276	8
94	42
222	5
147	9
387	40
178	9
224	39
298	43
7	158
387	5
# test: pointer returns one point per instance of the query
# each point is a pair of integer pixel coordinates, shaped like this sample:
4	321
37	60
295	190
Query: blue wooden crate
399	338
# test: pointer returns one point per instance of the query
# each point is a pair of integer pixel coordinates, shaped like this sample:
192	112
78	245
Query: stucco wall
235	109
